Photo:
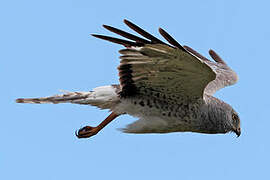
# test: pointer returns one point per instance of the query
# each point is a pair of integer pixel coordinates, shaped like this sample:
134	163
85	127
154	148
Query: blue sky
46	46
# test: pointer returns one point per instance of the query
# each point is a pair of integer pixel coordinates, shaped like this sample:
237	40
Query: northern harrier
168	86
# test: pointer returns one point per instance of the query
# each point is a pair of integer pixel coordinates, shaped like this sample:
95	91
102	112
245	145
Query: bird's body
169	88
164	117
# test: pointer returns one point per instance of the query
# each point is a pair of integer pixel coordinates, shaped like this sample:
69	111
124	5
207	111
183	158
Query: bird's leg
89	131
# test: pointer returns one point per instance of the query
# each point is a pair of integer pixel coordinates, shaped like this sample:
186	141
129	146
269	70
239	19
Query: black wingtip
150	39
216	57
189	49
107	27
170	39
116	40
126	21
142	32
20	100
99	36
126	34
95	35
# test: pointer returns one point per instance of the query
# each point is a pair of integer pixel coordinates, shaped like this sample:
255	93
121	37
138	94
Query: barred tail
103	97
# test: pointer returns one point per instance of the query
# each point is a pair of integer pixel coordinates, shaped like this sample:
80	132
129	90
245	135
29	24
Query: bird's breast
181	116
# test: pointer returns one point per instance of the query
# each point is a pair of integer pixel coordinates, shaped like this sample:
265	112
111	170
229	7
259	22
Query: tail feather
62	98
103	97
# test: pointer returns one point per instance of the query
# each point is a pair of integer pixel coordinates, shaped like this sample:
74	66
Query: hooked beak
238	132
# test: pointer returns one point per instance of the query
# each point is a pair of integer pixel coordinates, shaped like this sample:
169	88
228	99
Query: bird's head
235	120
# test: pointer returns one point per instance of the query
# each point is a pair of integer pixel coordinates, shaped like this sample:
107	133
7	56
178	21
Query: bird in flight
169	87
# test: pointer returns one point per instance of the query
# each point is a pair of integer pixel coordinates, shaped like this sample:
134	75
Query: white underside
150	119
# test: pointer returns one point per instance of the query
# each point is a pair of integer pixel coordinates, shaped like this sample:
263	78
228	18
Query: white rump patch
104	93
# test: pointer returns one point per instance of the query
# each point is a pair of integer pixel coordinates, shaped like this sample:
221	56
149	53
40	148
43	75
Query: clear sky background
45	46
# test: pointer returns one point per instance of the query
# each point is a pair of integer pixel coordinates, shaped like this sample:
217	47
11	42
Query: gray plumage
169	87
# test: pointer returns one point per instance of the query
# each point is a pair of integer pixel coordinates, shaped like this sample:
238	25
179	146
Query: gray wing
163	70
153	68
225	76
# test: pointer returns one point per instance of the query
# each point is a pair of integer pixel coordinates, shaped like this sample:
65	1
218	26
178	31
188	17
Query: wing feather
170	39
126	35
117	41
167	69
143	32
225	76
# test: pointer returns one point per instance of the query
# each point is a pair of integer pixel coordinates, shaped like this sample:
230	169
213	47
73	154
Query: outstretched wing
225	76
151	67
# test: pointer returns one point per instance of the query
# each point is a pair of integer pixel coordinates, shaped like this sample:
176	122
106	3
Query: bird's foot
87	132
